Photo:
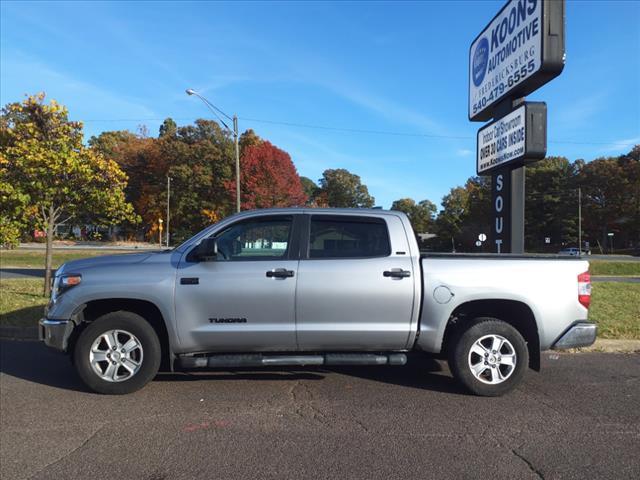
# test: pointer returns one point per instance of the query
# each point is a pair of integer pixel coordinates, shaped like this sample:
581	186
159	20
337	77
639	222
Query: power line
410	134
352	130
355	130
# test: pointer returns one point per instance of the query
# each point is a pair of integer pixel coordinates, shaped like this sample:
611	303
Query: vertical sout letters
499	206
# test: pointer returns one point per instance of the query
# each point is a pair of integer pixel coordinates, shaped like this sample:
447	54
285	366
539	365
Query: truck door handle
399	273
280	273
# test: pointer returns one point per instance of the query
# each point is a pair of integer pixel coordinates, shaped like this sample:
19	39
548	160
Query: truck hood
77	266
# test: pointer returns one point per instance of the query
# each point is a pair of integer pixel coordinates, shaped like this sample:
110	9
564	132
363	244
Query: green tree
450	221
551	207
201	161
248	139
168	128
14	208
198	158
421	215
46	160
311	189
606	198
343	189
630	164
109	143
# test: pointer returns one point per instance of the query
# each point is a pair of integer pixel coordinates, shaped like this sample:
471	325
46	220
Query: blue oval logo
480	61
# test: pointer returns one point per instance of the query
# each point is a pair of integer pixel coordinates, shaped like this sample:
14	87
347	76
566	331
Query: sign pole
517	209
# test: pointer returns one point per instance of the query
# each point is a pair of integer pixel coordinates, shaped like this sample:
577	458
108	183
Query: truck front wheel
489	357
117	353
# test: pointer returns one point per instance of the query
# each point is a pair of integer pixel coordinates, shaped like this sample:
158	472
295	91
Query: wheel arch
515	313
90	311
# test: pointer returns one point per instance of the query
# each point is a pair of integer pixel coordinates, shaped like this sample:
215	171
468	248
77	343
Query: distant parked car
573	251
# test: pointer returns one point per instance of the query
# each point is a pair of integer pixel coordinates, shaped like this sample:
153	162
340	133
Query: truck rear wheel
117	353
489	357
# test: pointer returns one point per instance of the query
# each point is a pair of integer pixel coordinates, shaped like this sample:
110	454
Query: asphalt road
579	419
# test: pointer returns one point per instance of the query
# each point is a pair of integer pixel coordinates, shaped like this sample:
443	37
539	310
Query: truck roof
347	211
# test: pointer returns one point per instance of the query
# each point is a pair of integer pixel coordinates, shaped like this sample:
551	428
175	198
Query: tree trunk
49	253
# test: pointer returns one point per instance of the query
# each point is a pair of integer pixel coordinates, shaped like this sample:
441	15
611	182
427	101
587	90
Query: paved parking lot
579	418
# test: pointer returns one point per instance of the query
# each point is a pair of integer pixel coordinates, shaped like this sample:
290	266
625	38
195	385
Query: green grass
20	258
615	306
21	301
605	267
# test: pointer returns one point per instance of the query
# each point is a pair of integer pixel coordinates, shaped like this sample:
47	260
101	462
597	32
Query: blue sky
391	67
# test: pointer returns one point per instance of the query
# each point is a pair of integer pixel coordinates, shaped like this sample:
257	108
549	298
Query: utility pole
168	199
579	221
235	136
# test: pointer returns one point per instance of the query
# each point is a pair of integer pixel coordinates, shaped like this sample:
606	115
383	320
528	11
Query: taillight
584	289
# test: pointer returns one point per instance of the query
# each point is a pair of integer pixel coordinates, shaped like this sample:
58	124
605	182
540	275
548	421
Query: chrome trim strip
47	321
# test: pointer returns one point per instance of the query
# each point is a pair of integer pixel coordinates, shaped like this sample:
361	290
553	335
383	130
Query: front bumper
580	334
55	333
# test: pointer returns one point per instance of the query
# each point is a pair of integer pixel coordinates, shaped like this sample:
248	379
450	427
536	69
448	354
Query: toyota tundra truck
319	287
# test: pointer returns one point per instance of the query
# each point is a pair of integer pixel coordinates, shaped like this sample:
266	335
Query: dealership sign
521	49
518	138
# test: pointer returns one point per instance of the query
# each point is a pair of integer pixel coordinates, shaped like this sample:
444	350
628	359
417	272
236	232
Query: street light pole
235	135
234	131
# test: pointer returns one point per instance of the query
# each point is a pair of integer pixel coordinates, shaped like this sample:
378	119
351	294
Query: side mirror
207	250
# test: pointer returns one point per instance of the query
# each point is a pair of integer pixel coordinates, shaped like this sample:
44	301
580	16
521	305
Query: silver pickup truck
314	287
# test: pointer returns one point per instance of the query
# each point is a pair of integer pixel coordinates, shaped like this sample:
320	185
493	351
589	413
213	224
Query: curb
10	332
604	345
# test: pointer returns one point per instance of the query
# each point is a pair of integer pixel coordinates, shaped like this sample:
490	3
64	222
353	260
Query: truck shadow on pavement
33	362
422	372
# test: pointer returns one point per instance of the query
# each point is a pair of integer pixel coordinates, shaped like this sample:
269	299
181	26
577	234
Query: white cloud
621	146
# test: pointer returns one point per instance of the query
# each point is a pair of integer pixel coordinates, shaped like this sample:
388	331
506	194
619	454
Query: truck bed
503	256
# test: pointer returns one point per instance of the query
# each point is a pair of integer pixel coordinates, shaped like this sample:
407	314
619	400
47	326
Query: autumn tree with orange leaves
268	179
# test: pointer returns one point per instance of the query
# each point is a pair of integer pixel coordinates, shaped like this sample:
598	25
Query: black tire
128	322
460	357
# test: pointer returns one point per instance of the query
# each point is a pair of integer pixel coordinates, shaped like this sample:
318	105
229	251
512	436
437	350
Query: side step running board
260	360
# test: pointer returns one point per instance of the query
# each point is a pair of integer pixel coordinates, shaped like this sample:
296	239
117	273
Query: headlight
68	281
63	283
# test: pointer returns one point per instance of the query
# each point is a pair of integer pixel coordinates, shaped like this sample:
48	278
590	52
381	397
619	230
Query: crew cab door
355	284
243	298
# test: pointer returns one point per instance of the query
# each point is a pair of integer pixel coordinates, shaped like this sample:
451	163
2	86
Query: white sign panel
502	141
505	55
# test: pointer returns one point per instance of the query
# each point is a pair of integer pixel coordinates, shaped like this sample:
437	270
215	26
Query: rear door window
348	237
